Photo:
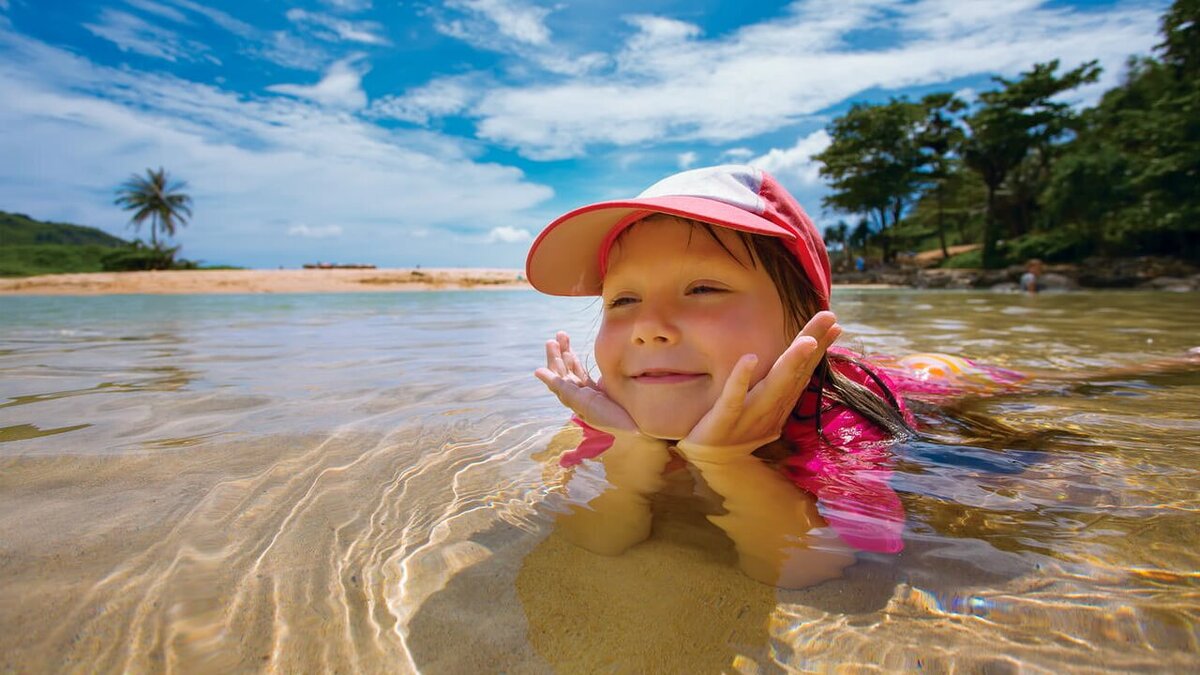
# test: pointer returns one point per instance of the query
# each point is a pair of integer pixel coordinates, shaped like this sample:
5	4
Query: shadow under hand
673	603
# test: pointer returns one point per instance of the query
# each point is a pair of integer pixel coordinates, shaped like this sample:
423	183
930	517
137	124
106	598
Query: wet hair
800	303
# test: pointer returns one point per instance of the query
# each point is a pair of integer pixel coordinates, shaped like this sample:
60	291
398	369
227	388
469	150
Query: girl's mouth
665	377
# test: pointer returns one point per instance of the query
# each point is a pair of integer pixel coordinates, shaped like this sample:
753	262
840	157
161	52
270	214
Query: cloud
349	5
687	159
438	98
159	10
333	29
131	34
508	235
285	49
341	86
513	19
216	16
315	231
796	162
255	166
669	83
738	154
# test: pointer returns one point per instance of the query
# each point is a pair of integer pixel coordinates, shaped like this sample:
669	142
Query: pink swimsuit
849	469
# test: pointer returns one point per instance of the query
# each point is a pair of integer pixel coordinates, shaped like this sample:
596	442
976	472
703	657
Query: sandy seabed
263	281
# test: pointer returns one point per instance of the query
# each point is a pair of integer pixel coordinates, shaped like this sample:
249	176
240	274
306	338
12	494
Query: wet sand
263	281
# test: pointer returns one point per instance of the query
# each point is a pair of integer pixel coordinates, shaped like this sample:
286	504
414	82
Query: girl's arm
780	538
619	516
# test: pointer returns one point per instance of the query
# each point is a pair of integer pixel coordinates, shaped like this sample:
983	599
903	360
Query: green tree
1021	118
938	136
873	163
155	197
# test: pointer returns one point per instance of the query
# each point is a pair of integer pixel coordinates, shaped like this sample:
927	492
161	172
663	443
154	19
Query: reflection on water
356	482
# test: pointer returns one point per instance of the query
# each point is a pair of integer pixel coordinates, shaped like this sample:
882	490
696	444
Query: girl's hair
800	303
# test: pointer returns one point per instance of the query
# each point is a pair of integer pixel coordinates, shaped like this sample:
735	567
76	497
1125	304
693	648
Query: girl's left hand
744	419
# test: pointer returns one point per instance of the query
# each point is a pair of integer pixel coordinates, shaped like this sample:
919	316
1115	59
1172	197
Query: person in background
1030	280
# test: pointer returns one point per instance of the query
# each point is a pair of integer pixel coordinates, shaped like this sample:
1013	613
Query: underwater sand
299	483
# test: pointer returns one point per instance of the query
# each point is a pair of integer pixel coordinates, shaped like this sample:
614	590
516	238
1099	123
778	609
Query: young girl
714	347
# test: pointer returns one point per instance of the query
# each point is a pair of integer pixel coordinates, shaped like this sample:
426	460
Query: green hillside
29	247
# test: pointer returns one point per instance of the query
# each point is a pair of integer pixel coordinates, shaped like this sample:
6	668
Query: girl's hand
744	419
565	375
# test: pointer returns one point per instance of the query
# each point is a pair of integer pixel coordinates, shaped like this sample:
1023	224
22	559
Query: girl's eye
620	301
702	289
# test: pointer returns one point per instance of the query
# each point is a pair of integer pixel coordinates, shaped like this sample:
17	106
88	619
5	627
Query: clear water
354	483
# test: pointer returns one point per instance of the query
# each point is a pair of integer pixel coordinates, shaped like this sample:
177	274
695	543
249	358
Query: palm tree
153	196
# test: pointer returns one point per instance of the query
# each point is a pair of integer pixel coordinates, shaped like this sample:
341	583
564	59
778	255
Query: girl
714	346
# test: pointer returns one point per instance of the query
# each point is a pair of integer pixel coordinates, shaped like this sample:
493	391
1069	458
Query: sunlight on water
359	483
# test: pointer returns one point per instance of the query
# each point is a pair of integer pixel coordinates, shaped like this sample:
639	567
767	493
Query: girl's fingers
554	358
790	374
729	405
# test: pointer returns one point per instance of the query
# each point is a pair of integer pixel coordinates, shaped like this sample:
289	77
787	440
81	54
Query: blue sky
448	133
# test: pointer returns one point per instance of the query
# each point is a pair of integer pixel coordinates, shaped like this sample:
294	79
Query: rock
1052	281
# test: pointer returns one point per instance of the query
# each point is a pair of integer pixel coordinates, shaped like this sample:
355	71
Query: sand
263	281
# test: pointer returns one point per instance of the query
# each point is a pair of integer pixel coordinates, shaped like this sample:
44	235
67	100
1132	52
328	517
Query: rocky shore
1168	274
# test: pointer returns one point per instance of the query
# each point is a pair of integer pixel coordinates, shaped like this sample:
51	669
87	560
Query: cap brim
565	258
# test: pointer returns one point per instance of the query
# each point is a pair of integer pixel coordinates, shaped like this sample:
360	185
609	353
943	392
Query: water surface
297	483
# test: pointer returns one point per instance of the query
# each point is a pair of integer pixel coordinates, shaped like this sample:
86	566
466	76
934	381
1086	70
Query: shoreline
202	282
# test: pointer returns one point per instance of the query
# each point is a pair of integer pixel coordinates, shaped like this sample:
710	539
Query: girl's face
679	311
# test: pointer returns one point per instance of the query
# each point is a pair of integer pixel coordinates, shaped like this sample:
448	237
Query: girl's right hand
565	376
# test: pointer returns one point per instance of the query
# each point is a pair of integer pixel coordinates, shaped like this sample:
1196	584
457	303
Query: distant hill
18	229
29	247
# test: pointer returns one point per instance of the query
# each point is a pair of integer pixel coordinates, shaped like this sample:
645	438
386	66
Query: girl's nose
653	327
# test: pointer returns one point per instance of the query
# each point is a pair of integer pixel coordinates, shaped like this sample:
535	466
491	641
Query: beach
263	281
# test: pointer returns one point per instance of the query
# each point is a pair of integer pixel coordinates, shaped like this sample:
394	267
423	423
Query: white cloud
796	162
669	83
289	51
255	166
687	160
158	9
132	34
333	29
315	231
445	96
225	21
349	5
738	154
513	19
508	235
340	87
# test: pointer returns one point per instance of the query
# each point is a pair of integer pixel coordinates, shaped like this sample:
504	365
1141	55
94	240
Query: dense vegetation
32	247
1023	174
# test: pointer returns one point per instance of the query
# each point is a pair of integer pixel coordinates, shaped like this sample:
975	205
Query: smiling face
679	311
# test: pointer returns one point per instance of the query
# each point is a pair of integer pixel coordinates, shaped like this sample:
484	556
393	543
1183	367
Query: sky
447	134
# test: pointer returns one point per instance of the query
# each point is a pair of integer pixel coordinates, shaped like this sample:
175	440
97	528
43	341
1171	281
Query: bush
24	260
1061	245
140	257
968	260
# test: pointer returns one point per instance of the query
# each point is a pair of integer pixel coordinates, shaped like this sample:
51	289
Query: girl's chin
669	430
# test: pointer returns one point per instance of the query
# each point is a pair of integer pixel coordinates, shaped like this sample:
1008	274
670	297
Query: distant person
860	264
1031	279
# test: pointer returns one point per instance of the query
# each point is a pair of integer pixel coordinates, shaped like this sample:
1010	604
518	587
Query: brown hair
800	303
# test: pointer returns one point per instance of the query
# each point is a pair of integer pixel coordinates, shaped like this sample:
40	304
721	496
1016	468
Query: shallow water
299	483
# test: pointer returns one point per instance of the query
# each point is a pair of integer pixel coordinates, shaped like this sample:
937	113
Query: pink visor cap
570	256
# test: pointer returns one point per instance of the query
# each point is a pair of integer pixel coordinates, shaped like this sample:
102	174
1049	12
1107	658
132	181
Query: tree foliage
872	163
157	198
1022	171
